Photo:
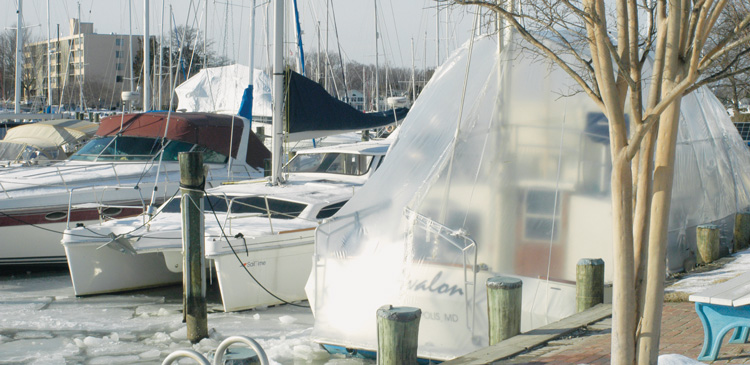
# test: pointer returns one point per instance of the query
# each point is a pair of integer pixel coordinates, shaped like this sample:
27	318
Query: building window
118	42
119	66
118	78
118	54
542	216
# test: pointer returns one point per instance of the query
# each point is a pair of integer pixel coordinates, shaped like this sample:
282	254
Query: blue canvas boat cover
311	112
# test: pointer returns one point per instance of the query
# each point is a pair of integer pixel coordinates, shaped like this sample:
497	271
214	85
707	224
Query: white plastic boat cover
220	89
515	181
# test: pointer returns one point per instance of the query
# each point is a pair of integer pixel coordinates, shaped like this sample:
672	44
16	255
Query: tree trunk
648	341
623	310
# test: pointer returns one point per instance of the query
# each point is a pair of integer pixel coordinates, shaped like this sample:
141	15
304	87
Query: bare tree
603	46
734	62
8	61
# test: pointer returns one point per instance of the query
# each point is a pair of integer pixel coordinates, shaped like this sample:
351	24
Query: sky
400	22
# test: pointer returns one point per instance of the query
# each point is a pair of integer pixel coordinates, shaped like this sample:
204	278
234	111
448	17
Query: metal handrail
220	351
219	358
191	354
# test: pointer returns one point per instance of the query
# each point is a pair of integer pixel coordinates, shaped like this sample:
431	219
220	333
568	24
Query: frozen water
42	321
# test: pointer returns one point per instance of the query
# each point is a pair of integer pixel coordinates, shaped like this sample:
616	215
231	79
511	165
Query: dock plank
533	338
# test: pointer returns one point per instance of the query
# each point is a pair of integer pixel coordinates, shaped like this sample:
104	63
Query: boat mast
171	56
377	84
161	56
49	61
437	35
325	58
301	59
19	55
252	45
146	60
413	80
205	33
278	92
80	61
130	48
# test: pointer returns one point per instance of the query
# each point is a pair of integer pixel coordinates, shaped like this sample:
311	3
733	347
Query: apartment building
88	70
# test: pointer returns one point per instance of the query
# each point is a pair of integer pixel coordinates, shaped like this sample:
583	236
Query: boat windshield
121	148
252	205
11	151
331	163
14	152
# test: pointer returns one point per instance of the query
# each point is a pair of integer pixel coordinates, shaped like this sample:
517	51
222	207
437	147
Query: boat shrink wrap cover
515	182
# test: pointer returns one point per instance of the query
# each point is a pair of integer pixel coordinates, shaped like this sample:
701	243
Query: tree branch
510	17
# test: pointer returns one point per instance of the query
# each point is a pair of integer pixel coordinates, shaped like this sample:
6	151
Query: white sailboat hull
32	246
282	265
97	270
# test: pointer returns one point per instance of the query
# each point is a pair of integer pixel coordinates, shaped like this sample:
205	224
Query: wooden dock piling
504	307
398	330
708	243
589	283
193	272
741	231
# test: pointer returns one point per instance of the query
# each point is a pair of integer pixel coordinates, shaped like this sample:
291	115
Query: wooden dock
528	340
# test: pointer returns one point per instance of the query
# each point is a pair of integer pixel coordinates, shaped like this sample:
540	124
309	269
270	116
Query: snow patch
287	319
673	359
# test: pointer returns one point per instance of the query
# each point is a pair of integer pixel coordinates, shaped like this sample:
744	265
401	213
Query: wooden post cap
591	262
503	282
399	314
708	226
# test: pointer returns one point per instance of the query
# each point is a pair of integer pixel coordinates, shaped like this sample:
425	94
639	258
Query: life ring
390	128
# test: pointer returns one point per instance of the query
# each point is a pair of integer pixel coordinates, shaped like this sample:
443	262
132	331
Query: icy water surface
42	321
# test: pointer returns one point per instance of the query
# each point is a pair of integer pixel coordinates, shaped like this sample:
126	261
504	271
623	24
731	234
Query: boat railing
229	217
457	239
98	199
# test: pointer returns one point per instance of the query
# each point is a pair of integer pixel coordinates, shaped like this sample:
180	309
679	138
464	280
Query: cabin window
55	216
218	203
280	209
542	216
173	149
330	210
211	156
118	149
331	163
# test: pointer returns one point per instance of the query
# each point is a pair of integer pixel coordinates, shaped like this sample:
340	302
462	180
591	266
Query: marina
556	177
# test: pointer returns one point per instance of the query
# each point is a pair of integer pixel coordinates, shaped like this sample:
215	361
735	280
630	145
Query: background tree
735	62
8	61
603	46
189	40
